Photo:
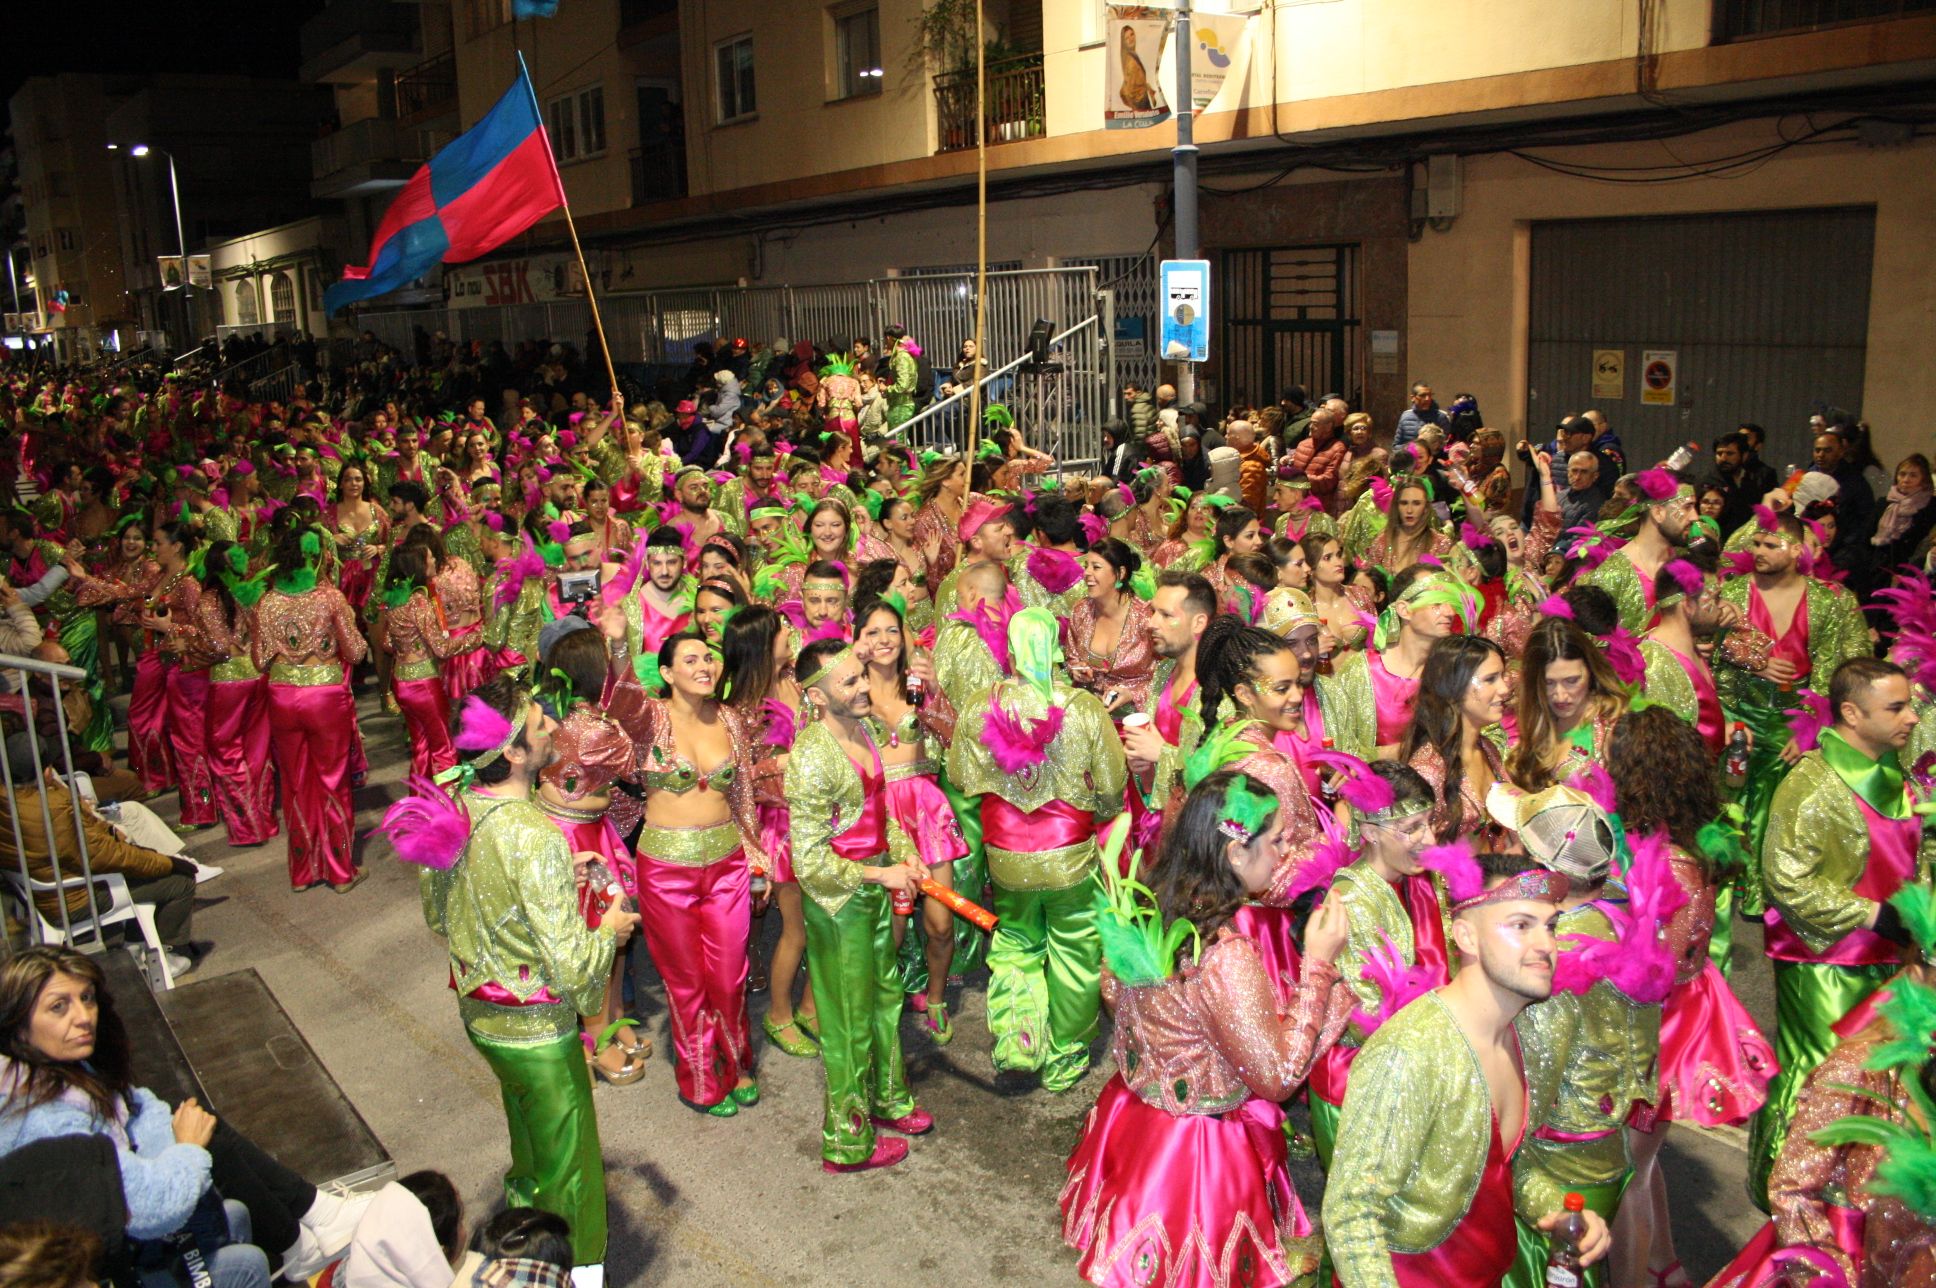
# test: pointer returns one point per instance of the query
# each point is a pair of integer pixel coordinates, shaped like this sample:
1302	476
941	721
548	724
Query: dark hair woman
242	773
1109	648
65	1071
1461	694
1168	1161
1569	699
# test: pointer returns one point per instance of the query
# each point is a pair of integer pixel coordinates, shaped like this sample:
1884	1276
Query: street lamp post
181	235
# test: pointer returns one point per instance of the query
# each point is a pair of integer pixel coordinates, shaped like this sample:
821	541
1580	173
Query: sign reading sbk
535	279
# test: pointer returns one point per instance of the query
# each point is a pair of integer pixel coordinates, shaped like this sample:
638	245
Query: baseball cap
1815	486
1562	828
977	516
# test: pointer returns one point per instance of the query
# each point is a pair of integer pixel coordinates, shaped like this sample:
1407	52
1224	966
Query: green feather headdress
1244	811
300	581
1139	948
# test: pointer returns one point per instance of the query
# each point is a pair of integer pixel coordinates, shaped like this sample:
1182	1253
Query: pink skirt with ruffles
921	808
1183	1200
1714	1063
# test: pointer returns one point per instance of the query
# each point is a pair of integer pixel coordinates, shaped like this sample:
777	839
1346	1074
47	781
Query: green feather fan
1138	947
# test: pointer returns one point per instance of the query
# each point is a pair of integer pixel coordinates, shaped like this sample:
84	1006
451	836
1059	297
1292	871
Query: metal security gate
1766	315
1291	316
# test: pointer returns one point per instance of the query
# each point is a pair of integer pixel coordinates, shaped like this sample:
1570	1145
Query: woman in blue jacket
64	1071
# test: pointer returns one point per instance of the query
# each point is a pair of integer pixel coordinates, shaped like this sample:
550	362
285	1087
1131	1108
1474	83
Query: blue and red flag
482	189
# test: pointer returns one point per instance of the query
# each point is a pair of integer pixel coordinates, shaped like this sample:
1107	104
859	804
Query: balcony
1014	107
1743	19
658	172
427	90
352	40
368	157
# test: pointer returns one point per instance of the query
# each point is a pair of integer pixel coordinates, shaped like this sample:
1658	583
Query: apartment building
1686	212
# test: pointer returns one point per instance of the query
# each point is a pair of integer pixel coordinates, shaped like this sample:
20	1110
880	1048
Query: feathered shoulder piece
428	827
1055	570
1636	961
1139	948
1398	984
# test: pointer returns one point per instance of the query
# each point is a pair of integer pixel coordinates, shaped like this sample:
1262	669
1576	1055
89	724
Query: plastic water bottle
1563	1268
1683	456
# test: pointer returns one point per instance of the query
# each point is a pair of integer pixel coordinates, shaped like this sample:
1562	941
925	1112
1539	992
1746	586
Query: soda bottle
1563	1269
1328	781
1683	456
1734	762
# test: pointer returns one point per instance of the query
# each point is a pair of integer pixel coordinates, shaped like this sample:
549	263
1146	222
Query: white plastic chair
120	906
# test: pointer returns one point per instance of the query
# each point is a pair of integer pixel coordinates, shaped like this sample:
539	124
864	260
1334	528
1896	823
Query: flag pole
564	201
981	237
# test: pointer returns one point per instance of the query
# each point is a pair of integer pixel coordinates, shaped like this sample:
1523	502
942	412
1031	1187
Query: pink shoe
915	1122
918	1003
887	1152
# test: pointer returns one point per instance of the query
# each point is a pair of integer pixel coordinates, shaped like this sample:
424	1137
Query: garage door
1765	316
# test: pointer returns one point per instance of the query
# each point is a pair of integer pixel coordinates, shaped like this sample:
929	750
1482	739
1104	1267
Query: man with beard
1171	725
845	867
1688	616
756	489
987	537
522	960
1815	625
663	605
1628	573
1371	691
1842	838
694	492
1421	1189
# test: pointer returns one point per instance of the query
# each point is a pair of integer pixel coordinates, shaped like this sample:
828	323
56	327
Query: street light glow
138	150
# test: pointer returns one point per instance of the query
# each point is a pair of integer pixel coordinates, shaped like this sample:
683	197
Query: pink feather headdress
1689	578
480	727
1331	856
1398	983
1556	606
517	570
1454	862
1056	570
1475	536
1657	484
1361	789
1624	656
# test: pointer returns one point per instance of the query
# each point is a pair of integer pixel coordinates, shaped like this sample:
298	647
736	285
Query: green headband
833	664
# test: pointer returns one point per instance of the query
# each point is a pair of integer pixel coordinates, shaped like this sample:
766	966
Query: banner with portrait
1134	36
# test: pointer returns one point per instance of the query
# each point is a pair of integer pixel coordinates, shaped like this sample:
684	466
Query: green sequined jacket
1168	775
963	666
1836	633
1619	578
1376	910
1412	1142
823	791
1350	706
509	909
1814	852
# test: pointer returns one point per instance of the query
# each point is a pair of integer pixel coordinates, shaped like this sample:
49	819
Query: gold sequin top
591	752
1129	665
647	721
1899	1249
317	624
1083	766
1814	851
459	592
1376	911
1466	816
227	643
1349	705
414	631
963	666
509	909
1687	932
125	584
823	789
1210	1037
1412	1142
178	594
1607	1050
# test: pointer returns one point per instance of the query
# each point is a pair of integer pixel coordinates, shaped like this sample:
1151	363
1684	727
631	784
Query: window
577	124
245	314
857	53
733	72
282	299
1735	19
68	238
481	16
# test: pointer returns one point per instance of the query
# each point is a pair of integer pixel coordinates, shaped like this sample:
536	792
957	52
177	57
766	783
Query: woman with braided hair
306	635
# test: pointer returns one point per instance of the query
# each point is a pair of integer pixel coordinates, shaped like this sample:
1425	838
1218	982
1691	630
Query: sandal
628	1072
1661	1277
639	1048
798	1046
934	1019
808	1025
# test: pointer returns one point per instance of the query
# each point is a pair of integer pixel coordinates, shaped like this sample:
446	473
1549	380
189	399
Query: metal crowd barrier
20	699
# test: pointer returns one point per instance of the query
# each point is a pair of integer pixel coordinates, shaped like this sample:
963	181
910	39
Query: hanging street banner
1185	287
1133	97
1219	58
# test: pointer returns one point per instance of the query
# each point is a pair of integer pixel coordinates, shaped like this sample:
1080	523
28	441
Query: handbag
188	1254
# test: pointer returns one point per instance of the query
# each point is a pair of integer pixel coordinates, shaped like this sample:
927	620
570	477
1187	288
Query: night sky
247	37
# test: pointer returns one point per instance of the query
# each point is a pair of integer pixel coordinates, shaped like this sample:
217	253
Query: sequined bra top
681	776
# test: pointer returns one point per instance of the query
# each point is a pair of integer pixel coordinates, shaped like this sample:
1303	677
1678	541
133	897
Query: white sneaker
304	1261
178	965
588	1276
206	871
332	1220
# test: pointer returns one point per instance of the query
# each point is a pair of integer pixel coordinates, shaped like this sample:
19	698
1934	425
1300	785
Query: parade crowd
1313	763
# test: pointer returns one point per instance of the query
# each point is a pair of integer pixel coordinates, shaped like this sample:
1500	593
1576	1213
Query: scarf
1896	517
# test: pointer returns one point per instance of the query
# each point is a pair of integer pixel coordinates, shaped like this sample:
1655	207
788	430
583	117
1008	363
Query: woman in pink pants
171	613
305	637
700	830
242	772
411	627
125	584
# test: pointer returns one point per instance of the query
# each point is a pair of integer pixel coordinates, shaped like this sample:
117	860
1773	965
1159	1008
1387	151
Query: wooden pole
591	297
981	234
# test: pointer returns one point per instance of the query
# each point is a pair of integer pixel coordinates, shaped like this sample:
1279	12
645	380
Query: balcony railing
1014	108
374	139
349	32
658	172
429	88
